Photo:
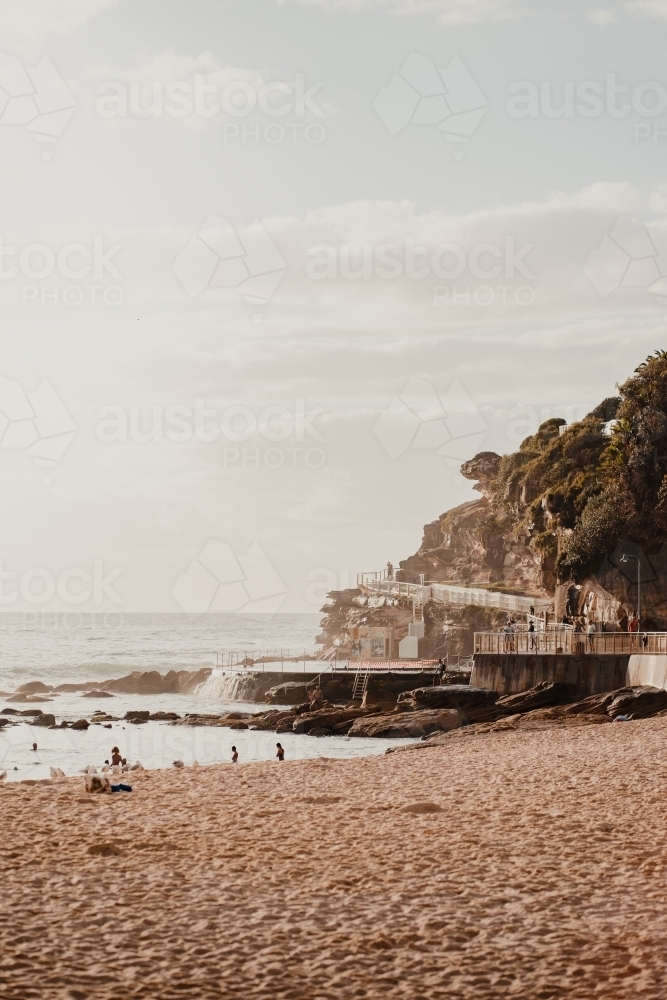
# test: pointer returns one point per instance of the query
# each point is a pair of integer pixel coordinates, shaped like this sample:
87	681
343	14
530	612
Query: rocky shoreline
421	713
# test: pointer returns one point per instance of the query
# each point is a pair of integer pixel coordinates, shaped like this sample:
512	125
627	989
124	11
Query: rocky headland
552	521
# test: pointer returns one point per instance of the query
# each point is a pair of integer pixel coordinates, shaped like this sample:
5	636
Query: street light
626	557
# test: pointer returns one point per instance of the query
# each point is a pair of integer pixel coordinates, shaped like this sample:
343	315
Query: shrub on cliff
601	479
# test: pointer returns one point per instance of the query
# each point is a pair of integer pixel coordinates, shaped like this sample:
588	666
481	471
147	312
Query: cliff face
556	517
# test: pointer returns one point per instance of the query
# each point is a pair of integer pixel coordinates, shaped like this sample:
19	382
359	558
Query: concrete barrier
643	669
510	673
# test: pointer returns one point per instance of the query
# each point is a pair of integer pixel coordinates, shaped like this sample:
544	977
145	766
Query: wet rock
28	698
238	725
163	716
132	716
97	694
44	720
473	704
637	702
10	711
80	724
32	711
33	687
320	731
407	724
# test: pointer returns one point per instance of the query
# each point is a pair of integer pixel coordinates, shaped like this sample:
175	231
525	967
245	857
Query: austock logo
218	580
220	257
36	98
419	94
630	256
420	418
35	422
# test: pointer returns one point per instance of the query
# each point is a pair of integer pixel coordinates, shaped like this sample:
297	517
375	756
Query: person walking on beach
281	753
235	755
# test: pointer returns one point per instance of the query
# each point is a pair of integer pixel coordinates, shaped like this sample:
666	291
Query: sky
270	271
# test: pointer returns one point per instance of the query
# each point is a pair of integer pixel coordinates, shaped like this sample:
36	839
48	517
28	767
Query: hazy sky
284	265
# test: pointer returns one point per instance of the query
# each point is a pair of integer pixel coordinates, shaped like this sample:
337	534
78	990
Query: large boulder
44	720
326	718
289	693
473	704
637	702
407	724
544	695
134	716
33	687
81	724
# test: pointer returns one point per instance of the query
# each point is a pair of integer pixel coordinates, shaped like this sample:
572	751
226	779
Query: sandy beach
513	864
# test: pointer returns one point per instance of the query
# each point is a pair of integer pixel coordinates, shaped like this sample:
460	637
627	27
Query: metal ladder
360	684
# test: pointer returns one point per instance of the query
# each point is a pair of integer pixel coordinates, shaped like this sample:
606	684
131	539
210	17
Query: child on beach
116	758
235	755
281	753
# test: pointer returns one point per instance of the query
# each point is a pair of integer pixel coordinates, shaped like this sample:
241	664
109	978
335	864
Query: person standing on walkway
591	636
531	632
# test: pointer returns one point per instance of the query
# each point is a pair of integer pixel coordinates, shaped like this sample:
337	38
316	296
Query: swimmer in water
281	753
116	759
34	746
235	755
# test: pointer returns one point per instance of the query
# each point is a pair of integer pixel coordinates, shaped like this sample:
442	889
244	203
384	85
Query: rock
4	722
325	718
289	693
33	687
542	696
10	711
238	725
409	725
179	763
133	716
163	716
44	720
320	731
97	694
31	711
637	702
81	724
473	704
29	698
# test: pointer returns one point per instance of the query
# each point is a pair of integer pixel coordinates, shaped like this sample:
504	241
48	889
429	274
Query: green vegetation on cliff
578	490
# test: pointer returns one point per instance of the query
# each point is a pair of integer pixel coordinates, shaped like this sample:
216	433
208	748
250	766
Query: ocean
73	648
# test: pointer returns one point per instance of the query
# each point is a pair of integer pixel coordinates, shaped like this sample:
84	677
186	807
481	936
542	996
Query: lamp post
626	557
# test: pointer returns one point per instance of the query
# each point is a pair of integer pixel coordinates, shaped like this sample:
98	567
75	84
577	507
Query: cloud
447	11
39	16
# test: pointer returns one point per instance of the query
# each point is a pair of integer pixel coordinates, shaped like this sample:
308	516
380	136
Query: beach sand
544	874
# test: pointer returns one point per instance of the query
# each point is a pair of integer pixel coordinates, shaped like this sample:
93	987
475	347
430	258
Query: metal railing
446	593
561	639
267	660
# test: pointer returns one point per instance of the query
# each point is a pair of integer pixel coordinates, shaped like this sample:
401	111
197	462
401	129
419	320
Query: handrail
563	639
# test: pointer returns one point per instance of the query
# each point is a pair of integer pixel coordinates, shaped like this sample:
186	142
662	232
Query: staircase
418	606
360	684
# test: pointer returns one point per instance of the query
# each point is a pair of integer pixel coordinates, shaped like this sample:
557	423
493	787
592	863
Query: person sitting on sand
235	755
281	753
